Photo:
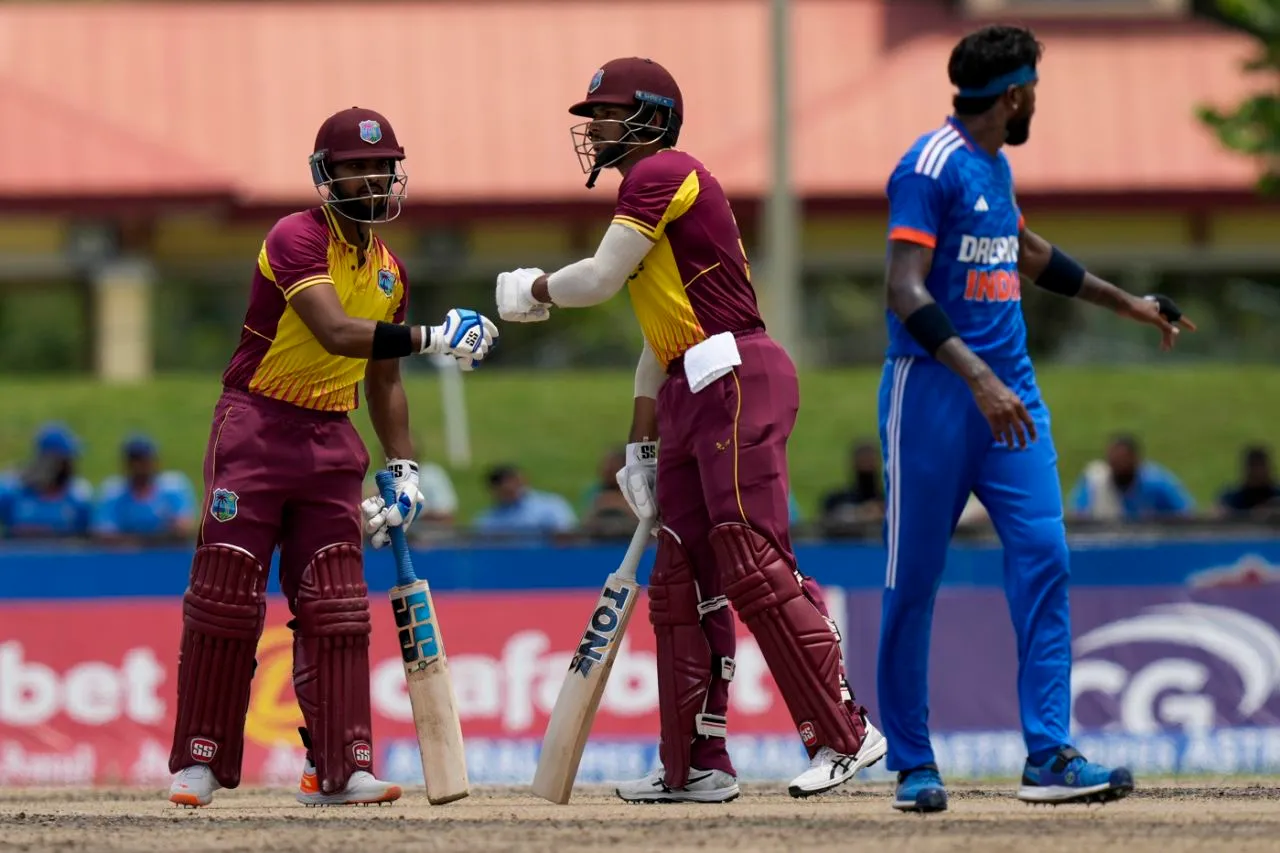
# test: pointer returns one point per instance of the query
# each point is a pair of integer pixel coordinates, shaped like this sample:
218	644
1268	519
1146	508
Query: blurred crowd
46	497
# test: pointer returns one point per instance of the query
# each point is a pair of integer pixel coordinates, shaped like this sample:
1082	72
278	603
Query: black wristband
1062	274
931	327
391	340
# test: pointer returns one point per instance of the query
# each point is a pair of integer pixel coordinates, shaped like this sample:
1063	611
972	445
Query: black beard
1017	131
362	208
609	155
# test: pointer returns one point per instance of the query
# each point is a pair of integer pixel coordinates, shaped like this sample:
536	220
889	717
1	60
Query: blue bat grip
404	565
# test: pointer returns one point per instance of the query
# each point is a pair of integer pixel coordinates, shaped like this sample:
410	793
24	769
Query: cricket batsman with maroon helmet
285	466
723	396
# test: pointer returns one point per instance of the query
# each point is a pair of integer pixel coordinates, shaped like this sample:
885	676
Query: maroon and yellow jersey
278	356
695	282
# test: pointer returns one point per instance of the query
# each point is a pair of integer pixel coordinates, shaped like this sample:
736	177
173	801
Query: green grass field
557	425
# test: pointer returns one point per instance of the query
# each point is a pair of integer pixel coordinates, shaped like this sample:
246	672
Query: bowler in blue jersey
961	412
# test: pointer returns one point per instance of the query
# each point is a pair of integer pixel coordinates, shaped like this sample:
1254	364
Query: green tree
1253	127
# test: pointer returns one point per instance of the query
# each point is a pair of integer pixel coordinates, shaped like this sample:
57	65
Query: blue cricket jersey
170	499
27	512
952	196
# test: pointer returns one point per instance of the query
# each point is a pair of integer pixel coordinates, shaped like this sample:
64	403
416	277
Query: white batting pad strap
727	668
711	605
711	725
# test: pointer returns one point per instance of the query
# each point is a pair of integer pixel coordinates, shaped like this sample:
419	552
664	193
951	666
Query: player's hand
466	335
638	479
1011	423
515	297
380	518
1159	311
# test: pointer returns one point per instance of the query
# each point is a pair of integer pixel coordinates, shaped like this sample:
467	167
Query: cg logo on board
1179	666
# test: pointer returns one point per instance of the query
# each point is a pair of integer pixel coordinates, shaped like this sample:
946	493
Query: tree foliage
1253	126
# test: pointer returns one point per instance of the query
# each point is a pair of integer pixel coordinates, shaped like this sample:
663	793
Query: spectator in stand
46	499
863	498
1126	487
518	509
1257	490
143	502
604	510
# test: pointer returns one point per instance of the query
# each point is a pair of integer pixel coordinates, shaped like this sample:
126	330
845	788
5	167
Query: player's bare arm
1051	269
340	333
909	300
389	408
464	334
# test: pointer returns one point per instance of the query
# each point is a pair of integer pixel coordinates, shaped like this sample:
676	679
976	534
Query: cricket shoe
920	790
703	786
362	790
1068	777
828	768
193	786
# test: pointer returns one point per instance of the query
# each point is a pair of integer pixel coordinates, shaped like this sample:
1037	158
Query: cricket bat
426	669
575	708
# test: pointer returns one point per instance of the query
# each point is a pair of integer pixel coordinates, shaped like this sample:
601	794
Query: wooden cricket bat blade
584	684
431	696
435	718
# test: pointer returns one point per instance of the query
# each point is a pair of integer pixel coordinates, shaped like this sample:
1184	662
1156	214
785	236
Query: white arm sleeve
595	280
649	373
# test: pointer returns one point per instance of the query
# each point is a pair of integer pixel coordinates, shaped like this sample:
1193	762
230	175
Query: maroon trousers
723	459
277	475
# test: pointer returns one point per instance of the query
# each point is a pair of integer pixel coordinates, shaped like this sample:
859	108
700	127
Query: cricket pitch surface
1200	814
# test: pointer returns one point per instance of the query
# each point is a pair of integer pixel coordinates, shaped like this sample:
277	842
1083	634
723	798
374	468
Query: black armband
931	327
1062	274
391	340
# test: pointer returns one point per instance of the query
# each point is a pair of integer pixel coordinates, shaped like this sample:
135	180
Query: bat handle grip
404	565
635	551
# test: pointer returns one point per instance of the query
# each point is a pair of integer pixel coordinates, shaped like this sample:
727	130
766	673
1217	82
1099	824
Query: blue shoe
1069	777
920	790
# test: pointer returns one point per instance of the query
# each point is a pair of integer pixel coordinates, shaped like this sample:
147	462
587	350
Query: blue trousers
938	448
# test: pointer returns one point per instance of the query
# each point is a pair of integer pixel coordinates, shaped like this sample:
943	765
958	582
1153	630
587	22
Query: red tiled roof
55	151
478	90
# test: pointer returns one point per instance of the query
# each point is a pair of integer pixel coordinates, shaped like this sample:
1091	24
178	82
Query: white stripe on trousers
901	367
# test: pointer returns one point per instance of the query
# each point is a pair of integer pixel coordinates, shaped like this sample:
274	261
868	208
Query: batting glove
380	518
638	479
515	297
465	334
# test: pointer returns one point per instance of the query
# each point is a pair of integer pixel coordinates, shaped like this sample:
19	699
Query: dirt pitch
1237	815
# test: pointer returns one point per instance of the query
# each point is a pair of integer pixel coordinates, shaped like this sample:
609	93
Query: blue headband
1021	77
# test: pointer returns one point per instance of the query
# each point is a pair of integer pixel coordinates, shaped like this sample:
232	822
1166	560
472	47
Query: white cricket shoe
193	786
362	790
828	768
703	786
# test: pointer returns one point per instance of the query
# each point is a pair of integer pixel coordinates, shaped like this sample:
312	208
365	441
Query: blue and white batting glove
380	518
465	334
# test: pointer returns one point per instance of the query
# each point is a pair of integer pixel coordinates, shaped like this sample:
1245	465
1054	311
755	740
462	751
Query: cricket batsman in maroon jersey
285	467
723	396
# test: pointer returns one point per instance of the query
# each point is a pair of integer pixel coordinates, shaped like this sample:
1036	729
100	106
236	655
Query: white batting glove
515	297
465	334
638	479
380	518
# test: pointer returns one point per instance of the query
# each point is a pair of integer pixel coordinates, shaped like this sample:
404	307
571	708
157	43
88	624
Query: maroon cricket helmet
640	85
359	134
631	81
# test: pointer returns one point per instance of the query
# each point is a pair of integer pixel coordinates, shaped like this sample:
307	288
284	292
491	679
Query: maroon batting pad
797	641
684	661
331	663
223	612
